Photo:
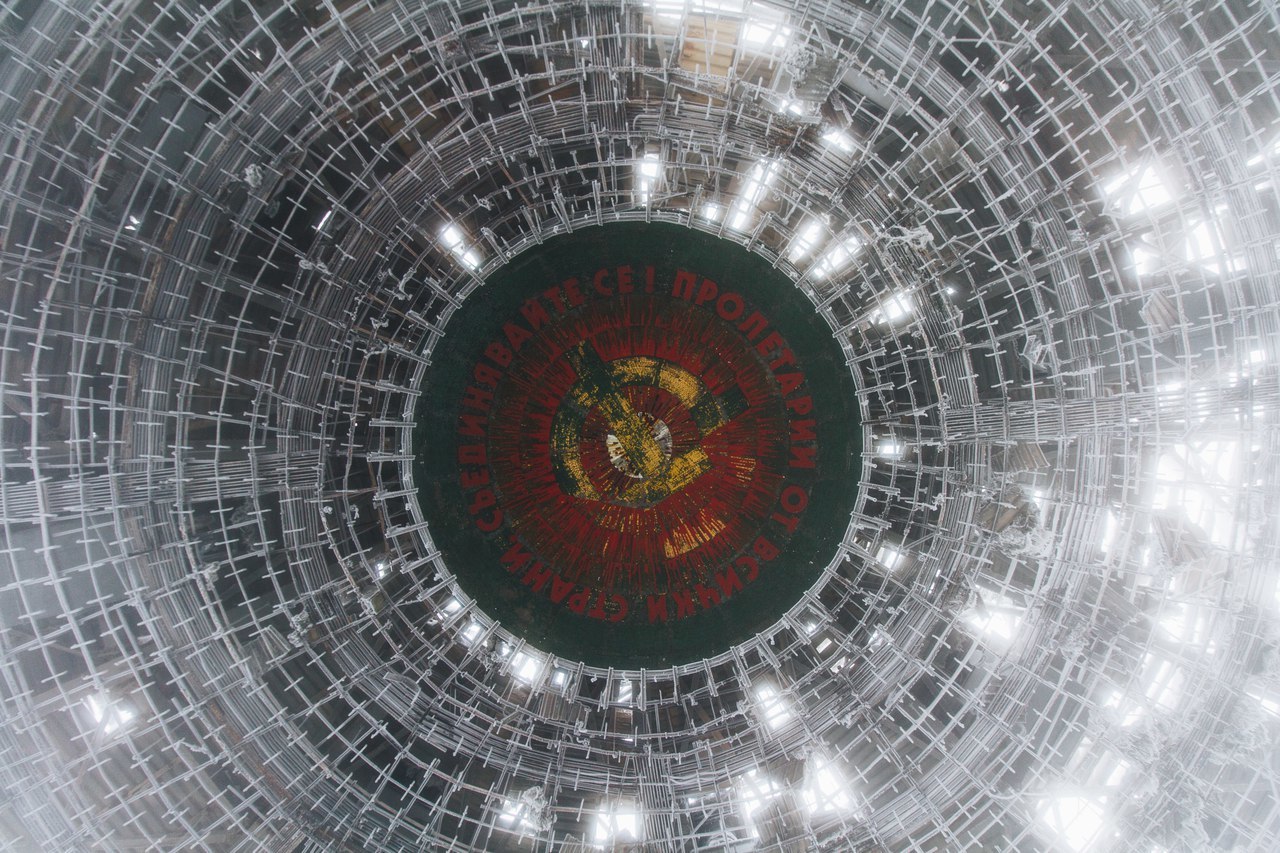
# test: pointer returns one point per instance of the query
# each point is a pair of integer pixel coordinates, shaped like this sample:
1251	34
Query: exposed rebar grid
234	234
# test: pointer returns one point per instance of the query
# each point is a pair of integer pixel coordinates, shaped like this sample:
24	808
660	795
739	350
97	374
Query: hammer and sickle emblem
642	452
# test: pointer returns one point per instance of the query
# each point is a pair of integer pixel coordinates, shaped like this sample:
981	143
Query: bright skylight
516	815
1074	822
890	448
1110	528
616	822
1164	680
793	107
839	140
526	667
766	28
452	236
456	242
648	171
773	707
806	238
677	8
1267	153
1126	711
754	790
837	257
1201	481
889	557
826	789
1268	702
998	617
1203	244
1146	260
669	9
754	187
1206	246
1137	190
1184	622
650	166
893	307
109	713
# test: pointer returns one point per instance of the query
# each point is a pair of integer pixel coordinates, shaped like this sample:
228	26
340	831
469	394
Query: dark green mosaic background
474	558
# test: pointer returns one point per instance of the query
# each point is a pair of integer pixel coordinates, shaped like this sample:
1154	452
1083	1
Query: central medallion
639	443
640	456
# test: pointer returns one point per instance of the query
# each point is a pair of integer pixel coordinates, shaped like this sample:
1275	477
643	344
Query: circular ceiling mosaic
638	445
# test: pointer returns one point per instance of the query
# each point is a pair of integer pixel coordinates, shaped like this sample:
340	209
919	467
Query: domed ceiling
647	425
640	447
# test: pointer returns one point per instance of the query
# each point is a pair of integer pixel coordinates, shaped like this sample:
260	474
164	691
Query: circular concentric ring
244	242
651	446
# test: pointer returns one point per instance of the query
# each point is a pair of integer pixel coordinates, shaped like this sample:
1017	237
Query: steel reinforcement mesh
232	236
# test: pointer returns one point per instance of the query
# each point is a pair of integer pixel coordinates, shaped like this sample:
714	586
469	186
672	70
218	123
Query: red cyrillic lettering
597	282
516	336
491	522
801	405
560	588
730	306
498	353
473	425
557	299
729	582
794	499
482	499
624	280
684	603
472	454
754	326
787	521
804	457
784	357
706	292
790	382
771	342
621	607
486	375
657	608
683	288
708	597
534	314
572	292
750	564
764	549
536	577
516	558
803	431
477	398
475	479
579	600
